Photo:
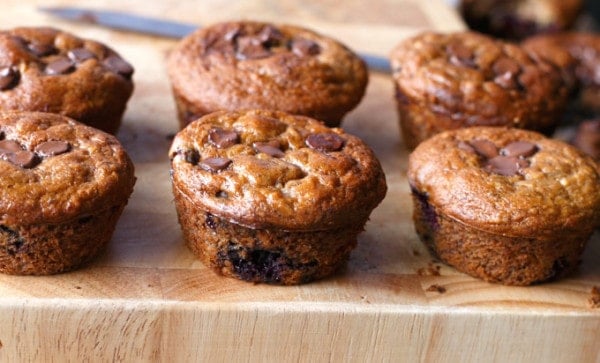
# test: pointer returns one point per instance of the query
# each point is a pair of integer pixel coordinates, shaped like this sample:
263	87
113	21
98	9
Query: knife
159	27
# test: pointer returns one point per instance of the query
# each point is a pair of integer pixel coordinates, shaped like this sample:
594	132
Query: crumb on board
594	299
436	288
430	270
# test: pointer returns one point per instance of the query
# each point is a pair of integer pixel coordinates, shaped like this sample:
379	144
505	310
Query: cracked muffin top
478	80
264	169
45	69
53	169
257	65
507	181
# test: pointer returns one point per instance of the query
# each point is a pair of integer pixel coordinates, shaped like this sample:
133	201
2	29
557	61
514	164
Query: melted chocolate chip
119	66
519	149
80	55
223	138
506	165
460	55
24	158
191	156
271	148
9	78
42	49
9	146
60	66
214	164
325	142
484	148
304	47
52	148
270	36
506	80
249	47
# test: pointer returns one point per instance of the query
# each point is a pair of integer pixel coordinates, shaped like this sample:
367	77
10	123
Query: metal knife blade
159	27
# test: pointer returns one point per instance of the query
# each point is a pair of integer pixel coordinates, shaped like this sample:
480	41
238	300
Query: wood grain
148	299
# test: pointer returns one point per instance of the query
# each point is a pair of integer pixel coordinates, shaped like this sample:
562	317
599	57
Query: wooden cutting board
148	299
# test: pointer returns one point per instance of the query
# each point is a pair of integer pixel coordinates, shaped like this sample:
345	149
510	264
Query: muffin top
246	64
44	69
477	80
265	169
507	181
54	169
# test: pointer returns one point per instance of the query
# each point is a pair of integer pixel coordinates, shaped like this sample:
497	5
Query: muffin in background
519	19
450	81
505	205
258	65
266	196
49	70
63	187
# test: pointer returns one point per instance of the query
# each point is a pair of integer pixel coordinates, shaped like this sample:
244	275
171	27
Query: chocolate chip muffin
584	48
504	205
267	196
587	138
63	187
518	19
48	70
257	65
449	81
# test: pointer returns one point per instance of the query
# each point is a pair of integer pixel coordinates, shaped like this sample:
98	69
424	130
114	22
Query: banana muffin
63	186
449	81
518	19
587	138
48	70
266	196
257	65
505	205
584	48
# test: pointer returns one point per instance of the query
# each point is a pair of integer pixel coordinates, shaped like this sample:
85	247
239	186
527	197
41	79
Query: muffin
63	187
266	196
257	65
584	48
518	19
504	205
587	138
45	69
449	81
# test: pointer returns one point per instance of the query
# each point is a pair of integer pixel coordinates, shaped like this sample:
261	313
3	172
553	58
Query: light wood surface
148	299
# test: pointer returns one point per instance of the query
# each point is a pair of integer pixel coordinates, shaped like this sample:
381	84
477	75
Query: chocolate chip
304	47
251	48
460	55
232	34
42	49
519	149
80	55
484	148
9	77
60	66
506	80
270	36
214	164
506	165
9	146
325	142
119	66
223	138
271	148
53	147
24	158
191	156
506	65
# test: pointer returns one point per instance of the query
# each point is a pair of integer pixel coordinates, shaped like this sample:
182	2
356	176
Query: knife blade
160	27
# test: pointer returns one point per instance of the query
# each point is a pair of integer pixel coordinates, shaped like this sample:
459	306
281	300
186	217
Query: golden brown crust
558	191
214	69
467	79
93	175
303	189
92	86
